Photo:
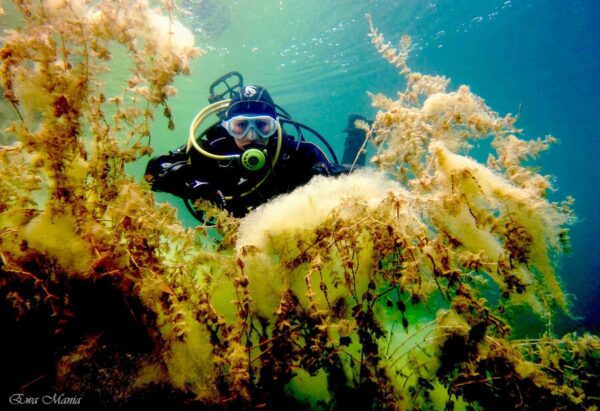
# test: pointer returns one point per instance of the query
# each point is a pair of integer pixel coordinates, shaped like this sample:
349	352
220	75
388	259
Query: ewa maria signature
50	399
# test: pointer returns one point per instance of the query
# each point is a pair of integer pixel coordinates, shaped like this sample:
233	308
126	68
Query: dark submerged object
354	142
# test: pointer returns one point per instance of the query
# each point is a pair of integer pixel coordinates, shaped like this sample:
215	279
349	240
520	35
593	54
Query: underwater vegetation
389	289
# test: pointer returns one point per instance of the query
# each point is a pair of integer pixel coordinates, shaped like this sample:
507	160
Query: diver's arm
308	161
317	163
169	172
172	173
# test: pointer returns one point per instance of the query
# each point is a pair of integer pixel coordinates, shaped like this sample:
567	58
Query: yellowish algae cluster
383	289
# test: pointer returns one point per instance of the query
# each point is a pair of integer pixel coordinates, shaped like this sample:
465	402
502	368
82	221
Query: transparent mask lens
238	126
266	126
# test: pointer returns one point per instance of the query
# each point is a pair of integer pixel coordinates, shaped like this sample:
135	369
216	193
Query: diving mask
239	126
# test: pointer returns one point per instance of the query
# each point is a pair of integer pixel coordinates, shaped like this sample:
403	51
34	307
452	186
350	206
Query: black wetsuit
226	182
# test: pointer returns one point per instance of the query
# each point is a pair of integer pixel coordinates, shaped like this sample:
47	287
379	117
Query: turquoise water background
538	58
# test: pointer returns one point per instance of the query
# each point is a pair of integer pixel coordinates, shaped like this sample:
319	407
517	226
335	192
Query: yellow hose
192	142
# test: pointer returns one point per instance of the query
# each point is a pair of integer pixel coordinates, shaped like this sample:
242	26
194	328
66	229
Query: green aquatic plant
384	289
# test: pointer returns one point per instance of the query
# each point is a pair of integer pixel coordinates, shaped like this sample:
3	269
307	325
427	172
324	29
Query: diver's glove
168	172
320	169
201	190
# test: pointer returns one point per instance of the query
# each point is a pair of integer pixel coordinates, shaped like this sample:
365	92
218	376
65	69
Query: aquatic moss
367	291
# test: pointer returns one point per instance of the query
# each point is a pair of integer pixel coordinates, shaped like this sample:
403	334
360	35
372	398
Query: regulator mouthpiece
253	159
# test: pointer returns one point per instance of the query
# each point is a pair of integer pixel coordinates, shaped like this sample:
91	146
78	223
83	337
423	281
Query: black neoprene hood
251	100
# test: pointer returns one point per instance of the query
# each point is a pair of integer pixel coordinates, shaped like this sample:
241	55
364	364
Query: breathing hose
192	142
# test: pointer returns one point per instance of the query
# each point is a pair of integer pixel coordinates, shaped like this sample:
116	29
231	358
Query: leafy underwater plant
80	241
374	296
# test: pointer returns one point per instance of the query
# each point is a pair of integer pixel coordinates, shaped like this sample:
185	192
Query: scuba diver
246	157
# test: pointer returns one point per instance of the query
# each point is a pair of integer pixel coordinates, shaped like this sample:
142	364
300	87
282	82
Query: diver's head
251	117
